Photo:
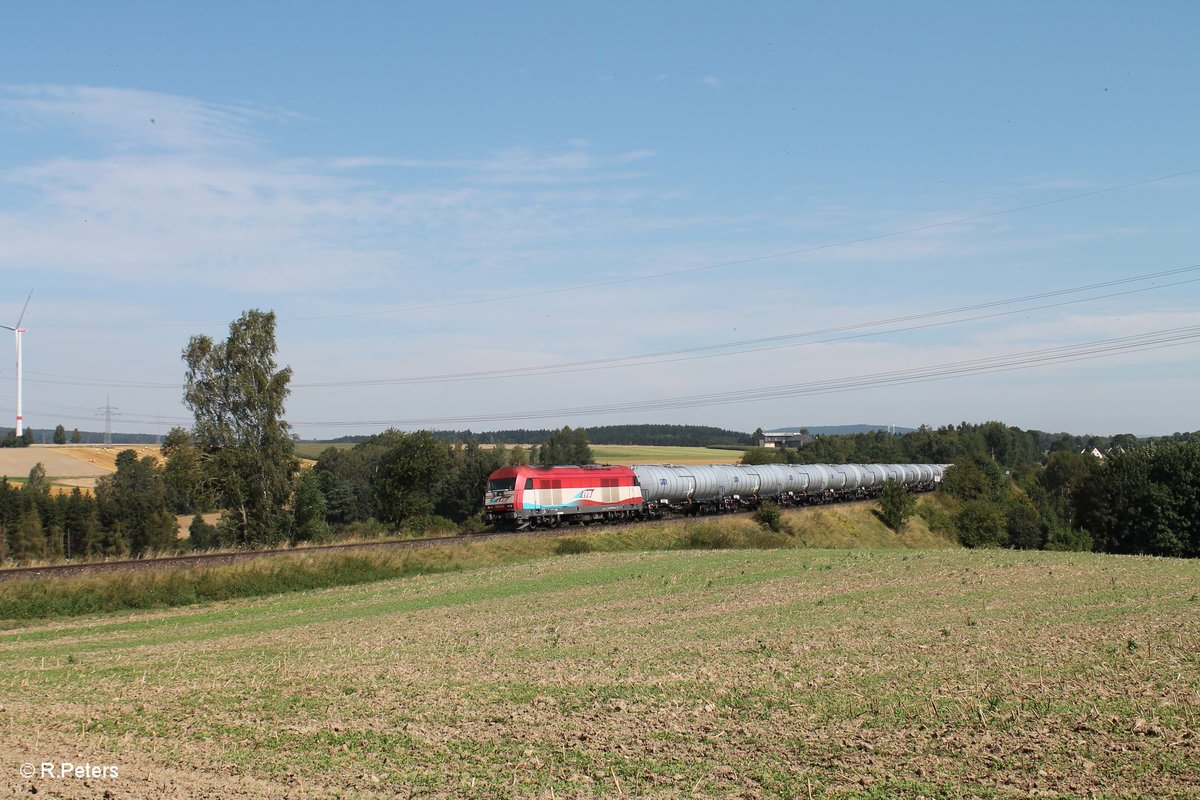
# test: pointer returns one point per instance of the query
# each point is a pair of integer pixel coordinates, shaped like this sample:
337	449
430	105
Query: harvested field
792	673
633	454
60	462
68	466
106	455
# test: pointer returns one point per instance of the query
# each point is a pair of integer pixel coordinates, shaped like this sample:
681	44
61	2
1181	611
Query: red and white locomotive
548	496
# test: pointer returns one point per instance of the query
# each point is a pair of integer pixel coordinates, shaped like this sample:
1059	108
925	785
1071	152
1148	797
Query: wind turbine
17	331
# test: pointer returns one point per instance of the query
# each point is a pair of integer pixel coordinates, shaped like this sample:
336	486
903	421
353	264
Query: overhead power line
1152	340
780	341
720	349
649	276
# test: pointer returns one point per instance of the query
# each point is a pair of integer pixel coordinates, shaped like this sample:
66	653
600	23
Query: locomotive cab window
529	483
501	485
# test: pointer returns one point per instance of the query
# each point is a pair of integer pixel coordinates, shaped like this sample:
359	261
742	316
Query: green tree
76	436
1062	477
410	477
981	523
132	505
974	479
764	455
201	535
461	498
1024	526
896	505
27	541
308	508
246	452
565	446
27	437
182	476
1144	501
37	484
60	435
81	526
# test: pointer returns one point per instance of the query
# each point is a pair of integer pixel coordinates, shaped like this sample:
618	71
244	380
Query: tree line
647	435
1032	490
1009	487
238	460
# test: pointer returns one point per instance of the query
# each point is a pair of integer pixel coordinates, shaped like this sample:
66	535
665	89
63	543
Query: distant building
795	439
1095	452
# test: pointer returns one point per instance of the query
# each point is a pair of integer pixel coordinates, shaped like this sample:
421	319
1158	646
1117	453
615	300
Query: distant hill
46	436
840	430
643	435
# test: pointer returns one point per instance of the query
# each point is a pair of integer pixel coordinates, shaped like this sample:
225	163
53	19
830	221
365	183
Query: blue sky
427	192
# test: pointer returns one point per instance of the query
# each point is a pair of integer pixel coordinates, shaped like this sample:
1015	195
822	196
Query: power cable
1152	340
741	347
681	271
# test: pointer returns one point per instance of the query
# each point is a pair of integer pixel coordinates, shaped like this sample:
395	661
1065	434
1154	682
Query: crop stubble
778	673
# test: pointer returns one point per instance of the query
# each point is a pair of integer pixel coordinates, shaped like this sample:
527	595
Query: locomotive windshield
502	485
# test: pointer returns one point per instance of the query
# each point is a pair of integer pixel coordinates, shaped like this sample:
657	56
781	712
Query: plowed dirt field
758	674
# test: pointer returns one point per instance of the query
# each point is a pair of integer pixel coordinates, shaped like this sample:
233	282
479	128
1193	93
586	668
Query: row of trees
238	459
1143	498
1006	445
646	434
12	440
27	436
126	515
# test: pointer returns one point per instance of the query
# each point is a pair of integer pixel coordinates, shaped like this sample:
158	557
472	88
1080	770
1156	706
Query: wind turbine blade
23	308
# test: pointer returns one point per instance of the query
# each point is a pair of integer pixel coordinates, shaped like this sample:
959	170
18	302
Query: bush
896	505
572	545
202	535
937	517
474	524
1069	539
1024	527
764	455
981	523
769	516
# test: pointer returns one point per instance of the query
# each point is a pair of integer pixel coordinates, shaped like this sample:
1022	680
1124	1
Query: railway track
237	556
225	559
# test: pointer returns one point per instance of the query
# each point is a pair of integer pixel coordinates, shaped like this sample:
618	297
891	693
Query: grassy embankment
835	526
786	673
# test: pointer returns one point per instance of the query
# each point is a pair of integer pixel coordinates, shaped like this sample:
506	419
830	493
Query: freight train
546	497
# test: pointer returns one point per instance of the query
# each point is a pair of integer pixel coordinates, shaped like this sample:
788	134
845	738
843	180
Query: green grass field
630	454
313	450
750	673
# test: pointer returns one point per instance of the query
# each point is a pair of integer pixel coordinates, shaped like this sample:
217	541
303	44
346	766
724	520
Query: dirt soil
60	462
797	674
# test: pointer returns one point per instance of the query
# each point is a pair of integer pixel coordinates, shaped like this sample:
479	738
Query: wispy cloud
126	119
711	82
515	165
183	191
